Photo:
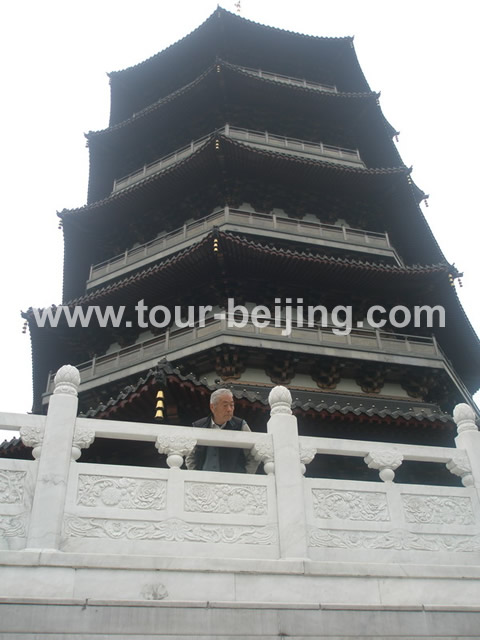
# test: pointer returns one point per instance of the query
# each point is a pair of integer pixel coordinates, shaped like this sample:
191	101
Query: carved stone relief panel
397	539
225	498
12	486
171	530
121	493
438	509
12	526
350	505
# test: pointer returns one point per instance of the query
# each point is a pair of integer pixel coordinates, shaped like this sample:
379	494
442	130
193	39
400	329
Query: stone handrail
379	455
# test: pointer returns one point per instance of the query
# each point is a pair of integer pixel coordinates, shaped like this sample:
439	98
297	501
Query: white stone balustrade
468	440
55	503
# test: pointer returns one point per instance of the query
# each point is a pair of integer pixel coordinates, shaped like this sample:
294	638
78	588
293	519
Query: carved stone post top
172	444
307	454
33	437
83	437
460	466
384	459
263	450
464	417
280	400
67	380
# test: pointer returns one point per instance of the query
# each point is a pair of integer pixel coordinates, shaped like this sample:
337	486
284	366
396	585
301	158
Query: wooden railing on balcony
176	341
232	219
295	146
159	165
264	139
297	82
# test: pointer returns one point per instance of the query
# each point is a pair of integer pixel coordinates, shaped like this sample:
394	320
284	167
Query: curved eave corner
38	373
419	197
359	69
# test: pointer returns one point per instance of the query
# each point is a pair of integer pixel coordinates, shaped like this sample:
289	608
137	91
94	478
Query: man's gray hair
216	395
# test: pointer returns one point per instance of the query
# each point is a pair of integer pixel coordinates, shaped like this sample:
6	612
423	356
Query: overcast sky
422	55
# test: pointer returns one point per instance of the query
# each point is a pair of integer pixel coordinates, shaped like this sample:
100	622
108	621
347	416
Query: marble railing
54	502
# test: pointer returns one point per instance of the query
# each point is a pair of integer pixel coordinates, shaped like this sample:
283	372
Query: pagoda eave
227	36
189	390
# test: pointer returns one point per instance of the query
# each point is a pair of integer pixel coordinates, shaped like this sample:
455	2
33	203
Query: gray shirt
251	464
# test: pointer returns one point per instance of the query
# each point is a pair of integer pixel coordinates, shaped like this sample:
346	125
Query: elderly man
221	458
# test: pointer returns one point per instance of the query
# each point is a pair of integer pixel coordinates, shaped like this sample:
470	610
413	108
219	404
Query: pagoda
249	164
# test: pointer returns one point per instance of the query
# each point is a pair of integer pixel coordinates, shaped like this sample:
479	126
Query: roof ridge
218	13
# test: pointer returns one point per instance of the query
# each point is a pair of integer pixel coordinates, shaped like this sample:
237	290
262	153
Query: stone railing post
288	475
54	449
468	439
176	447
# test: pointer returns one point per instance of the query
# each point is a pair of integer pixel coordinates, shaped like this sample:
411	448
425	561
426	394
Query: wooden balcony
258	139
296	82
253	223
176	343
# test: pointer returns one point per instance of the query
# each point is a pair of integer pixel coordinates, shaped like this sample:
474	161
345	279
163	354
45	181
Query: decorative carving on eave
281	368
327	373
371	377
230	362
428	386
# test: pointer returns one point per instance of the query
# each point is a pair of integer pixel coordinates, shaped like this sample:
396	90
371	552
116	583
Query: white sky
422	55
